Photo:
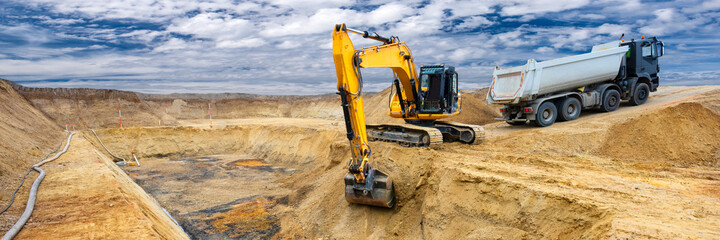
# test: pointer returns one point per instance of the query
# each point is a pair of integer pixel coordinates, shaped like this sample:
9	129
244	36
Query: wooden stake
120	115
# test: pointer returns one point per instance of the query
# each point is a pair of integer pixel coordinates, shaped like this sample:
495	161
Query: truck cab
438	89
642	61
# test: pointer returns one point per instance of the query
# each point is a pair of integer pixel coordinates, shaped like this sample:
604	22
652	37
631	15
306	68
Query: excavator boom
363	184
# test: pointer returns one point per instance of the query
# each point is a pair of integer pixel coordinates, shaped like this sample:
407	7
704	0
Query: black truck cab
642	62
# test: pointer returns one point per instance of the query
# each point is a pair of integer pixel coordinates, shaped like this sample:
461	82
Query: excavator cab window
423	82
432	94
454	92
438	89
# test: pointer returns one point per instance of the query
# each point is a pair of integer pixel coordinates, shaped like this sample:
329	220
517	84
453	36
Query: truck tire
570	109
610	100
515	123
640	94
546	114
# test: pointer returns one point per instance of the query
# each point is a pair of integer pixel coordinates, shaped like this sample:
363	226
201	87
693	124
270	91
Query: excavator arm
364	184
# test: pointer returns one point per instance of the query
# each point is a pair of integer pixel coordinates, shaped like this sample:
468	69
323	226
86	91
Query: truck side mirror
661	49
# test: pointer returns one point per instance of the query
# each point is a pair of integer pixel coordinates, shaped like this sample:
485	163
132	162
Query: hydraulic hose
15	229
108	150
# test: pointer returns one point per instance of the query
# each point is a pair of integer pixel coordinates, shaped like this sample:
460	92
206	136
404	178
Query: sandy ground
651	171
86	196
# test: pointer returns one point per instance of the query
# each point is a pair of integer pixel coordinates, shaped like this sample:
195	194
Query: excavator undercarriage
426	134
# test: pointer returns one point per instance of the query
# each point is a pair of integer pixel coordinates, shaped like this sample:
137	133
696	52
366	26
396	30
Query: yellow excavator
420	101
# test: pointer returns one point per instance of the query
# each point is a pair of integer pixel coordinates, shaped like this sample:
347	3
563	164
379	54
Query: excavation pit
247	183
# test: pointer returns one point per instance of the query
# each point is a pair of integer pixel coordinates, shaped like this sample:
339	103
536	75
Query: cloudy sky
284	46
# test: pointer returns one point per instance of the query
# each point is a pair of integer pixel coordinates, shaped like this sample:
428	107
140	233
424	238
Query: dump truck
559	89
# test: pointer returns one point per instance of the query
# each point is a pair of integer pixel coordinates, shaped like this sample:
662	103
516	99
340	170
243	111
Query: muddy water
218	196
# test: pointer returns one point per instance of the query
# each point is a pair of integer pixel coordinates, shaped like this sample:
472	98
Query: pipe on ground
108	150
33	194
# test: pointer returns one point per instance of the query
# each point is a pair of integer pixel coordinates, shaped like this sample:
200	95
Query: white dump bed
524	83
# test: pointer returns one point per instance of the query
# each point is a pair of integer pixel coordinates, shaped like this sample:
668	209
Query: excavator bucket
378	190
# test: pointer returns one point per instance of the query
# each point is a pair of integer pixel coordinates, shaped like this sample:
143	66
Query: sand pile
682	135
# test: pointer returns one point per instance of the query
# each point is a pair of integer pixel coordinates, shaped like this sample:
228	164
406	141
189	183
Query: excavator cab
438	89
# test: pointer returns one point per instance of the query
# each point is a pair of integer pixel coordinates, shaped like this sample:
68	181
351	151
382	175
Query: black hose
12	199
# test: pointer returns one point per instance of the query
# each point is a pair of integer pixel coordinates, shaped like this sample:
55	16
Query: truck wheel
515	123
570	109
640	94
611	100
546	114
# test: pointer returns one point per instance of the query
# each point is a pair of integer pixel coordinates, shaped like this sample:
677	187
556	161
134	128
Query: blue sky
284	46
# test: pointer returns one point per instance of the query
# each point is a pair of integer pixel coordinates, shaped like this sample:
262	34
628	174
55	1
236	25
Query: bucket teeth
378	190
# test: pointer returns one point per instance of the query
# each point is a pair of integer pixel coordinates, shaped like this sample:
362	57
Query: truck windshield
647	50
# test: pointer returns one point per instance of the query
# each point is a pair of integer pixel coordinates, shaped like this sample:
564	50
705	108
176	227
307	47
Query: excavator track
405	134
478	131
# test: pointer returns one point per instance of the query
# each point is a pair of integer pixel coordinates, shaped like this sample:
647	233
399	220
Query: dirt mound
475	109
28	135
685	134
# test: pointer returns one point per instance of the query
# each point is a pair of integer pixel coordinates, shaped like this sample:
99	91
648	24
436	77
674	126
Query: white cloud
242	43
462	54
473	22
388	13
545	50
225	30
668	21
522	7
704	6
143	35
291	44
64	21
171	44
321	21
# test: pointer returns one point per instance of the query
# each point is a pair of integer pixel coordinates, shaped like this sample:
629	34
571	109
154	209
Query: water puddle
218	196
